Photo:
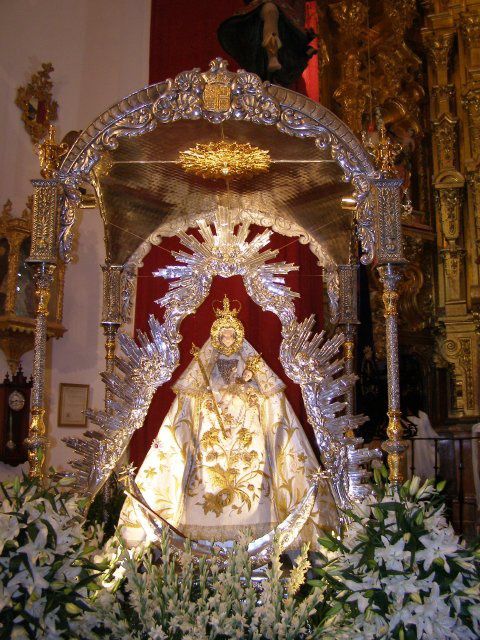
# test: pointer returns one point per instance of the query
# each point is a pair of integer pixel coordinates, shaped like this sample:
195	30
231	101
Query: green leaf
338	606
378	513
316	583
390	506
328	543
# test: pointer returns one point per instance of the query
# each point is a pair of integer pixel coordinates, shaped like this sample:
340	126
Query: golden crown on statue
226	310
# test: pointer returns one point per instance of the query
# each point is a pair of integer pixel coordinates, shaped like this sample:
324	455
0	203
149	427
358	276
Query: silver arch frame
377	205
262	104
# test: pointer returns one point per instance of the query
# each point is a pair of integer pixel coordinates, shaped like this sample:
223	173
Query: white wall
99	49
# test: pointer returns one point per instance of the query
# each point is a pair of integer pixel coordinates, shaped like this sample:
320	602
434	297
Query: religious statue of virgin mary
230	454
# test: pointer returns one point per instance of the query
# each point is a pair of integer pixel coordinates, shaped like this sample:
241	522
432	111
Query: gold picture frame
72	404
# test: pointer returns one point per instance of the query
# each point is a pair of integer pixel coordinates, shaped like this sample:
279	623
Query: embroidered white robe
212	478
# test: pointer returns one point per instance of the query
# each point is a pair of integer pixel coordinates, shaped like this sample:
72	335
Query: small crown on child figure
222	312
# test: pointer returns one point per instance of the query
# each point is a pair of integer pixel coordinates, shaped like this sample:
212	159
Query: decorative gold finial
27	213
224	159
7	210
36	103
50	154
383	150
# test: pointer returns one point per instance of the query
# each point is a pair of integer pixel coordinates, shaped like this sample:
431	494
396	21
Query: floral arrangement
400	571
179	597
44	561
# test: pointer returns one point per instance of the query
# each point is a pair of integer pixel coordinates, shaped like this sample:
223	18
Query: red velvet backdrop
183	36
262	329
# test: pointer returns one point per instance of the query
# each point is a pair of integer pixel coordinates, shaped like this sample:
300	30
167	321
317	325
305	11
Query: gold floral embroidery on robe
214	480
231	463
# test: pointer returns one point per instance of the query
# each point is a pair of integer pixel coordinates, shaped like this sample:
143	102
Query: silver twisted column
348	321
43	259
111	317
390	276
111	321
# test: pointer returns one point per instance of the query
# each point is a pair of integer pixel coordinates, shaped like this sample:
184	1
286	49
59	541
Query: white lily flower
414	485
9	529
439	545
392	555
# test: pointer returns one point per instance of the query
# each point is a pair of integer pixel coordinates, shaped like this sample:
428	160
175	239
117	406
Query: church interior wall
95	64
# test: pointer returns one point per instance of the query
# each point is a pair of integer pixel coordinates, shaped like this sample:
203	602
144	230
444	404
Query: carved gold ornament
50	153
227	319
390	300
384	151
216	97
38	107
348	349
439	47
36	443
217	91
225	159
394	446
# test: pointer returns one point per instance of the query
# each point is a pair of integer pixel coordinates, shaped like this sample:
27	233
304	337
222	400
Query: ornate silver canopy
130	156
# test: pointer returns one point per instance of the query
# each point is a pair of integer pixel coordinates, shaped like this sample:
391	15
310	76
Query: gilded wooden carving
36	103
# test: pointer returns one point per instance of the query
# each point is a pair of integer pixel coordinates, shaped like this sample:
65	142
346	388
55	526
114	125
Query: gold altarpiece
452	39
417	65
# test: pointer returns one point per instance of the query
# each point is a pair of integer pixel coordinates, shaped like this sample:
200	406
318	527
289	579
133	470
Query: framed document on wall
72	405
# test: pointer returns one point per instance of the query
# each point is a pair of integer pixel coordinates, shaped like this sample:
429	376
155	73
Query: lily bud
419	518
414	485
72	609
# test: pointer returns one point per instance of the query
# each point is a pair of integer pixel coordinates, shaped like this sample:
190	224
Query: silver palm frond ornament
310	359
